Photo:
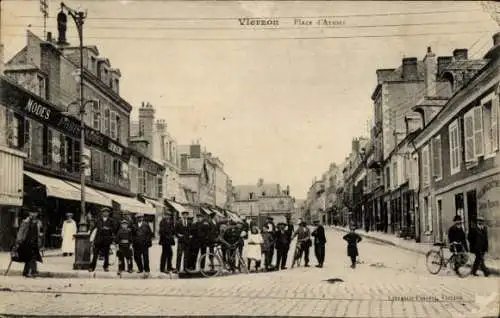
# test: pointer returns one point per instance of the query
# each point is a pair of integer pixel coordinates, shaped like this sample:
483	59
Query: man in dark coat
28	243
282	245
124	242
182	234
105	230
352	239
303	242
143	237
456	234
193	245
167	234
319	243
206	233
478	239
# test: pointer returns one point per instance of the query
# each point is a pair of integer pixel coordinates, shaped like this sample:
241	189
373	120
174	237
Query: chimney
443	62
382	74
430	69
460	54
161	126
496	39
410	71
260	183
195	151
146	122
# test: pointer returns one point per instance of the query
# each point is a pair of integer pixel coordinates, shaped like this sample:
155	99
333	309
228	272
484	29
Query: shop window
160	187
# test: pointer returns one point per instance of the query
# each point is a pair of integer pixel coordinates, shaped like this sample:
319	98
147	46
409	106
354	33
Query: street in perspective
249	159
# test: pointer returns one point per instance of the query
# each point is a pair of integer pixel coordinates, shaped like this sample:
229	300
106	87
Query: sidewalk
409	245
56	266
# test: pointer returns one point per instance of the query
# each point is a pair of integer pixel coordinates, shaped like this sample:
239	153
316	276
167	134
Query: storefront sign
150	166
488	201
34	107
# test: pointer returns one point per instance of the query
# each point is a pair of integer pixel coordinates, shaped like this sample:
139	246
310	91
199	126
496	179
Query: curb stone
493	270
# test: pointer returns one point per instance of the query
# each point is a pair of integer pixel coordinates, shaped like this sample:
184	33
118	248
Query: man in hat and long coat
143	237
28	242
478	239
103	234
456	234
68	235
319	243
182	232
167	234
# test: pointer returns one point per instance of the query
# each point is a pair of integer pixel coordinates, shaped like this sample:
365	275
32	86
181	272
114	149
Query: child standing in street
124	241
352	239
253	247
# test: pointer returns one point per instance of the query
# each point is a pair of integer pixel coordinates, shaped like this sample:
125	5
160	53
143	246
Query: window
478	132
107	121
425	166
454	140
140	181
113	125
160	187
96	167
41	87
118	127
13	128
388	177
490	124
469	136
428	215
437	172
250	195
395	180
133	179
96	115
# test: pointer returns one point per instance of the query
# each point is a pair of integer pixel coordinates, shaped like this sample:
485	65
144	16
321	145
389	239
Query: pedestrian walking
182	234
28	242
167	234
303	235
319	243
101	238
478	239
352	239
142	241
124	242
68	235
253	249
282	246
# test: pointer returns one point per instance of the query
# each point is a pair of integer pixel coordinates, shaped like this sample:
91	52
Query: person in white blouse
68	235
253	249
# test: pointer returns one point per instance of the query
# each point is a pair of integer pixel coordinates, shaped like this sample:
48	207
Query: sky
274	102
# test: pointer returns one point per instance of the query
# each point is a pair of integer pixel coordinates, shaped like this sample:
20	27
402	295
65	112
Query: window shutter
452	142
478	132
436	157
469	135
494	122
425	166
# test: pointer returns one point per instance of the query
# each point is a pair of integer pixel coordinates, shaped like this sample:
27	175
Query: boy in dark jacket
352	239
124	241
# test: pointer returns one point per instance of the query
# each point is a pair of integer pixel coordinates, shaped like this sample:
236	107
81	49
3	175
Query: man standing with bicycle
456	234
478	239
304	243
103	235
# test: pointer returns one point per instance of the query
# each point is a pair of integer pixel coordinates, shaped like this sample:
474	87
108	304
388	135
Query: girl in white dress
253	248
67	234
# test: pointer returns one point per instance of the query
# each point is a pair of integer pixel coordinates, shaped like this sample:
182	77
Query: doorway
471	208
439	221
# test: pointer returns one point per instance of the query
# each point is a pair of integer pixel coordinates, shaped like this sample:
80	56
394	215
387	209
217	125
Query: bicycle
297	255
216	263
458	259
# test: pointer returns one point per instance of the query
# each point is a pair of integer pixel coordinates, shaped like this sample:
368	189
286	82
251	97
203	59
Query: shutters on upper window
469	135
436	157
425	166
478	132
494	122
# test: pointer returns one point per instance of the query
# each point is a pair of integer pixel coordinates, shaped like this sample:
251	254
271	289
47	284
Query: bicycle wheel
214	264
434	262
242	264
460	262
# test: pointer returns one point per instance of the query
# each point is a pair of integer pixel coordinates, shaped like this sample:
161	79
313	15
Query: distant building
261	200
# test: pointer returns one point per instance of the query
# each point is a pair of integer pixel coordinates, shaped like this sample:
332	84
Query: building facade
458	149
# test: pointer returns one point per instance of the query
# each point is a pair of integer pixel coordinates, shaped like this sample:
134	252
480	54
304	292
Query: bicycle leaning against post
217	263
435	259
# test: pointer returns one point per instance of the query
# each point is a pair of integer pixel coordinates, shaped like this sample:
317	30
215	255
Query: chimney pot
496	39
429	50
460	54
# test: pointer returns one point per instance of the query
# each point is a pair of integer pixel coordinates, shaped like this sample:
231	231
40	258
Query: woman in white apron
67	233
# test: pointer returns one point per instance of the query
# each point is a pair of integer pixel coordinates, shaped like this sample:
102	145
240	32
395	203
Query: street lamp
82	238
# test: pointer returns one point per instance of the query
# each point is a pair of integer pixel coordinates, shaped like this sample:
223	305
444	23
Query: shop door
471	208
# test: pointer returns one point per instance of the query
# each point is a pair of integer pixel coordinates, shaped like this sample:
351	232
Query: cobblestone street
375	288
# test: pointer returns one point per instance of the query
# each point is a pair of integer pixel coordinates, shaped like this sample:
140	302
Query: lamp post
82	238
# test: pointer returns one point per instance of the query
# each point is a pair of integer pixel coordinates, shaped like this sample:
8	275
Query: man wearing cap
182	234
68	235
206	233
28	243
143	237
319	243
103	234
456	234
303	235
167	234
478	239
282	246
124	241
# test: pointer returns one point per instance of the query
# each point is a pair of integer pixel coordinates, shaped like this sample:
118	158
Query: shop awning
207	211
130	204
217	212
68	190
233	216
178	207
154	203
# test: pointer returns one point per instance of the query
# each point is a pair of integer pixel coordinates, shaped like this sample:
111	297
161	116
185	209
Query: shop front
470	200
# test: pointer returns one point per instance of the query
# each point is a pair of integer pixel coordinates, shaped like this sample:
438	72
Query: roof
465	65
397	75
270	189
